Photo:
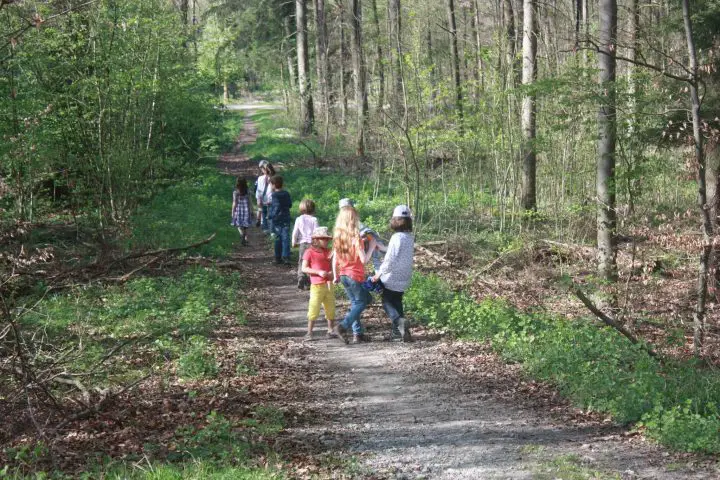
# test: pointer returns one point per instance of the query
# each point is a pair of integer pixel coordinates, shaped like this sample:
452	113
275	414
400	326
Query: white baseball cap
402	211
346	202
262	163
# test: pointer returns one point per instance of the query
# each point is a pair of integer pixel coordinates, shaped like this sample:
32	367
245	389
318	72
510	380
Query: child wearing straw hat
316	264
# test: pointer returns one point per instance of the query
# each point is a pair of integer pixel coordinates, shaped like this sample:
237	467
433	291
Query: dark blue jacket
280	208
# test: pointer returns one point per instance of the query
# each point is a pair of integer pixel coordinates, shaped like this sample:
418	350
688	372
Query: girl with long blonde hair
349	258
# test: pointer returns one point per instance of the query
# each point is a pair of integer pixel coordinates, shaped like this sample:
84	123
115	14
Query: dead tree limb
608	320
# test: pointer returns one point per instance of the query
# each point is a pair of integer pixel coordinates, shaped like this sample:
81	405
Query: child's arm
313	271
390	255
334	268
295	232
362	253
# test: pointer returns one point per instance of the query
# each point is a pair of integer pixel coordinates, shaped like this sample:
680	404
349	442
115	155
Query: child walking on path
316	263
263	194
241	211
396	270
279	216
367	233
349	259
302	233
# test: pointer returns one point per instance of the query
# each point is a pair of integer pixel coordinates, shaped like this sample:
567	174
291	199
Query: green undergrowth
187	213
675	403
160	319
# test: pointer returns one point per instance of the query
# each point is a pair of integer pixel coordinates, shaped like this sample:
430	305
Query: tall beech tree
607	138
529	73
307	113
455	62
358	61
707	224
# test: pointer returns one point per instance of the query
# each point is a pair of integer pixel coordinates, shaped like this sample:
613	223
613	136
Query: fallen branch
163	251
608	320
432	254
132	272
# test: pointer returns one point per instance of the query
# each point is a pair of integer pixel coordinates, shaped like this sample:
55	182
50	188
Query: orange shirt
352	268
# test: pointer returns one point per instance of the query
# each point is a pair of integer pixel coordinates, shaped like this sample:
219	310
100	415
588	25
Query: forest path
434	408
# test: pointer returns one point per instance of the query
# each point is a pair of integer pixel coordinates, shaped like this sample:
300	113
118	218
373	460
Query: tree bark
529	74
607	133
288	51
395	35
511	37
322	55
307	114
380	61
702	287
361	102
343	63
479	71
455	59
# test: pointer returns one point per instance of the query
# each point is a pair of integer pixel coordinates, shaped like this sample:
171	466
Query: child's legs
278	243
358	301
264	215
392	304
316	299
301	250
328	302
284	233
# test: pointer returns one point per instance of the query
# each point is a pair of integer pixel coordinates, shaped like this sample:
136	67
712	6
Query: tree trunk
289	51
529	74
394	33
455	59
607	132
702	287
343	63
510	35
380	60
358	60
633	182
307	115
322	55
479	72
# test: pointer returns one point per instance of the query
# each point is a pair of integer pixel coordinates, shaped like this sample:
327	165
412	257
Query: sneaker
403	327
331	334
278	261
308	337
357	338
339	331
286	261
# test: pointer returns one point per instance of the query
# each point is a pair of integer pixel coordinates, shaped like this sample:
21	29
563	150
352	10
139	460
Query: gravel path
434	408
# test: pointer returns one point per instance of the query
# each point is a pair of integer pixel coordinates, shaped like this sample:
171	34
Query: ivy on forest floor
674	402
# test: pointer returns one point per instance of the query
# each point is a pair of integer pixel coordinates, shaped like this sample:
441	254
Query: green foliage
196	361
188	212
685	427
594	366
99	103
169	315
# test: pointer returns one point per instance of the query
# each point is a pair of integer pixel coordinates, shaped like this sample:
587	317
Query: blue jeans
282	241
265	225
359	299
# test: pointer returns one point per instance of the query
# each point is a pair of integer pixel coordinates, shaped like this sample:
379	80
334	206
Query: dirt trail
434	408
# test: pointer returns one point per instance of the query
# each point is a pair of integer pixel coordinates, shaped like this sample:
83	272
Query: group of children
320	267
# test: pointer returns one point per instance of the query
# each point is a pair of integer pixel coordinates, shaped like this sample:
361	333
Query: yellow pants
321	294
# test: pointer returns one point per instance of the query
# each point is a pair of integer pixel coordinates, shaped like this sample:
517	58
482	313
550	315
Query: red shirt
352	268
318	259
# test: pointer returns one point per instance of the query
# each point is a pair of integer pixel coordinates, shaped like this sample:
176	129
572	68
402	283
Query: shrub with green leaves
597	368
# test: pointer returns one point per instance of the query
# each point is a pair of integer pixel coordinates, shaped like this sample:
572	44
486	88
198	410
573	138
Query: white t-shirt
263	185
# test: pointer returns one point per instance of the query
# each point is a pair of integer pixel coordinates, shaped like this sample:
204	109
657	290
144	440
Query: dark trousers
392	304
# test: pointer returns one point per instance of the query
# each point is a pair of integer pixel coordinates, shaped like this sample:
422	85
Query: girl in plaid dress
242	216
